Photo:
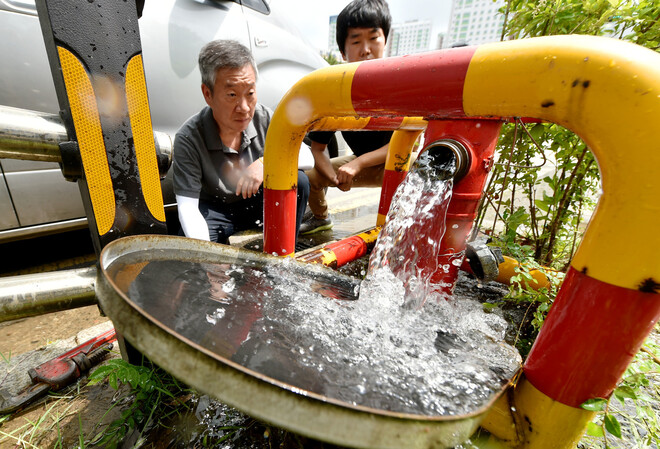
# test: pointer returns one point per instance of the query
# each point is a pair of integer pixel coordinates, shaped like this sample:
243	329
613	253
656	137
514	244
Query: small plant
630	414
33	432
153	396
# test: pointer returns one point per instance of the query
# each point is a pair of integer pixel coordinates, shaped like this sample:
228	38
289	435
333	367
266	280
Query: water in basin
320	333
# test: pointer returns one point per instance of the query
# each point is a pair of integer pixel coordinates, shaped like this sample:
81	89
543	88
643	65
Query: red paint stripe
420	85
348	249
591	334
279	221
479	139
391	180
384	123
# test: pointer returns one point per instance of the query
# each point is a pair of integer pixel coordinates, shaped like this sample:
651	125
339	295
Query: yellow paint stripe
323	93
534	421
607	91
143	137
328	257
400	149
90	139
340	123
371	235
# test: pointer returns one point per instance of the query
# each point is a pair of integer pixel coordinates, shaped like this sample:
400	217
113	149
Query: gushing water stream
400	347
409	243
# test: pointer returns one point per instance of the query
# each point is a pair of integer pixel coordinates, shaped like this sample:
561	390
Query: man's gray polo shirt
204	167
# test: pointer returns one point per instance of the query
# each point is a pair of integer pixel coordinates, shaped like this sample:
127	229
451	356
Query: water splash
409	243
373	352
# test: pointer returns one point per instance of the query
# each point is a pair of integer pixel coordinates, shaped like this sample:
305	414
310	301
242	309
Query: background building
474	22
332	38
409	37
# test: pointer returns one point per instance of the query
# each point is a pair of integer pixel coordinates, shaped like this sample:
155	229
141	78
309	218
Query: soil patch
27	334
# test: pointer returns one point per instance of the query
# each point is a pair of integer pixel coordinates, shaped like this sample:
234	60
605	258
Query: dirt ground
26	343
20	336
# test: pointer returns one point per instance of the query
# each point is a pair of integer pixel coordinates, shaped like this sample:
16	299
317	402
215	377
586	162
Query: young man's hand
346	173
251	180
323	164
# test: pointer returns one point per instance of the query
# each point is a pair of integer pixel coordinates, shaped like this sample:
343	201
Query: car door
8	217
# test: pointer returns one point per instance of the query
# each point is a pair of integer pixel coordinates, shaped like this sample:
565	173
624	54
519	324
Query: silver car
34	197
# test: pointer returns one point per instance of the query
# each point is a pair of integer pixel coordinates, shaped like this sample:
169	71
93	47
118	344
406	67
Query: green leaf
595	404
541	205
537	131
100	374
595	430
612	425
624	391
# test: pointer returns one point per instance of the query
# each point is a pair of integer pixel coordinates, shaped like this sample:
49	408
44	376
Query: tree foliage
330	58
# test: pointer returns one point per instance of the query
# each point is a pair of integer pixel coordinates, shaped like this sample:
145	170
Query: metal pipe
447	158
472	153
36	136
339	253
36	294
30	135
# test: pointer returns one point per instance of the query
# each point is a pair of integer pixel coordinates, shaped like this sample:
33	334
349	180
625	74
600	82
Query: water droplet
229	285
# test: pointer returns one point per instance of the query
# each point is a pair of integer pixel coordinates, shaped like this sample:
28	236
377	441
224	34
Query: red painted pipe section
279	221
589	337
391	180
339	253
479	138
426	83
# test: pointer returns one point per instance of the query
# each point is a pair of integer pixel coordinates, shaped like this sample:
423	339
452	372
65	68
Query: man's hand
346	173
323	164
251	180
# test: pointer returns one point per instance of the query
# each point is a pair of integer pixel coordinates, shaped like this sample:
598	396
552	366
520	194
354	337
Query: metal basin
169	322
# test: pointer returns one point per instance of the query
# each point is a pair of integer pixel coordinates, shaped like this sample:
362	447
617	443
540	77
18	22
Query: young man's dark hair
362	14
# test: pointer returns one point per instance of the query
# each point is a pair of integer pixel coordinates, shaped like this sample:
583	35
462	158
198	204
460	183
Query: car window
257	5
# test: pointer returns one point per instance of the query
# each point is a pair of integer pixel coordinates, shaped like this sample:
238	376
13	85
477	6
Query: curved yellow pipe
605	90
303	104
608	92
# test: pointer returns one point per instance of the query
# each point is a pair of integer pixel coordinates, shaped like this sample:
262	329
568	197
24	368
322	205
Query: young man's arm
192	221
322	162
347	172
